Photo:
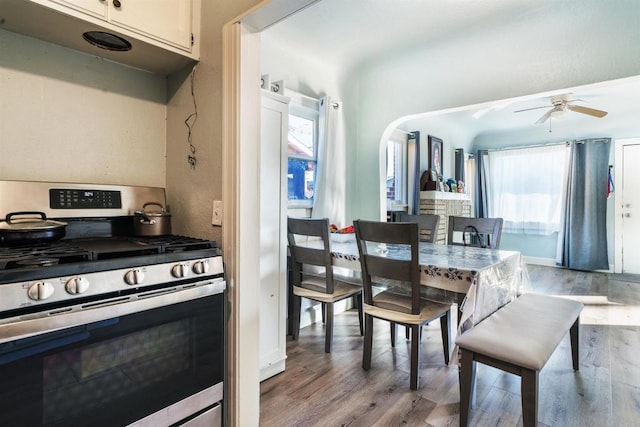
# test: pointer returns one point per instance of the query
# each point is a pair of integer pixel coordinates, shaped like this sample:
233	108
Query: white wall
574	44
71	117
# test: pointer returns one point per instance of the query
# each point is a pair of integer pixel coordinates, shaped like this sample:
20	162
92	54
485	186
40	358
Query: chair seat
313	288
397	308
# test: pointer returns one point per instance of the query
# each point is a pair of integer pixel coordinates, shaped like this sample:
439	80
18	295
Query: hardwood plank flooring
319	389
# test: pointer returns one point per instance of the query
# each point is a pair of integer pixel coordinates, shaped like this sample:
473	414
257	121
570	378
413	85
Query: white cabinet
168	21
273	244
164	34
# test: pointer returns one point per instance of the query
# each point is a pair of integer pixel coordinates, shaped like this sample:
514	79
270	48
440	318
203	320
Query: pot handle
147	220
162	209
12	214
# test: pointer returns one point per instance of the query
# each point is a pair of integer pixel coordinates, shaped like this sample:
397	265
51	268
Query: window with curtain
302	154
525	187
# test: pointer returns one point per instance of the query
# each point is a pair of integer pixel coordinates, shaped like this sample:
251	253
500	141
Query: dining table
479	280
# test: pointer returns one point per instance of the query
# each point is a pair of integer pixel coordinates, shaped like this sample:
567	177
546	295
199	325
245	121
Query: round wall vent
107	41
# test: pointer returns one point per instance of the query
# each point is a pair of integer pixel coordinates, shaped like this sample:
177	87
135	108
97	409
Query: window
526	187
302	154
396	172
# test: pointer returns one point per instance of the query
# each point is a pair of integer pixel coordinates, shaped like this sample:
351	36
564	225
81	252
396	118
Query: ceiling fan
561	104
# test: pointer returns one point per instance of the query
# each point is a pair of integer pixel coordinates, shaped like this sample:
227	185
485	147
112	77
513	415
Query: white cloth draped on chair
330	193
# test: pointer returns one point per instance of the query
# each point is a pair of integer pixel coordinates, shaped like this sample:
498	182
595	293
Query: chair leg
324	312
445	326
574	332
393	330
467	379
328	339
415	355
529	391
295	327
360	302
368	342
407	332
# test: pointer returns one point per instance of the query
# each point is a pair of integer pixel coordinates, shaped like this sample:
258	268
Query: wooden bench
519	338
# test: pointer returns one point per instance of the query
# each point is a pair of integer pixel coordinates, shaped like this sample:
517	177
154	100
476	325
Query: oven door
152	358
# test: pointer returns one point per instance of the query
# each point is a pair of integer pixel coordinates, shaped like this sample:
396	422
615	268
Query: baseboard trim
548	262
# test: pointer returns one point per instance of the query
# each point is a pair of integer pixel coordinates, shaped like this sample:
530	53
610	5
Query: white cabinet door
95	8
273	278
168	21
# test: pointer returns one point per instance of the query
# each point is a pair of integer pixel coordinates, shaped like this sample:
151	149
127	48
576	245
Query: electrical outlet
216	219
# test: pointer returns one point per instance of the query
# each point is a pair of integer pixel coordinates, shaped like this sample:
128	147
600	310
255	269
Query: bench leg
529	390
467	378
574	332
393	332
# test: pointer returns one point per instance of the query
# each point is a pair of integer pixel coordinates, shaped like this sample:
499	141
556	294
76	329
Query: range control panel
60	198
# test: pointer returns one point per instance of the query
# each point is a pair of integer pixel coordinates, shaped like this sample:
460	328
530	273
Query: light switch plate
216	218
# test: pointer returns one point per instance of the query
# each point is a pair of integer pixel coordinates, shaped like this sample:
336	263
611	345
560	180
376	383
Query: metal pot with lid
34	229
152	222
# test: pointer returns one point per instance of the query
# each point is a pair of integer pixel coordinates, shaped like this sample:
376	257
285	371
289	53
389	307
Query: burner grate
41	255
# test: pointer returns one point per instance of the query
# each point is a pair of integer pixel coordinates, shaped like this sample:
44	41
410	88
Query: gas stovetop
99	257
94	249
77	256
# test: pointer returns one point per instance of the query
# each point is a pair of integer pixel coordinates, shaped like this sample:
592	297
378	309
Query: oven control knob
40	290
201	267
134	277
77	285
180	270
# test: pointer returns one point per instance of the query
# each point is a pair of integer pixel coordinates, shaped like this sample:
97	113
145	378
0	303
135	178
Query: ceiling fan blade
587	110
529	109
545	117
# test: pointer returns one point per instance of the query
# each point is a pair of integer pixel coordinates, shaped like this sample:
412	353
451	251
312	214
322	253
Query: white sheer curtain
526	188
329	201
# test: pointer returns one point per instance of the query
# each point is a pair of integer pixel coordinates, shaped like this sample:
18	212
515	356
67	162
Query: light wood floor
319	389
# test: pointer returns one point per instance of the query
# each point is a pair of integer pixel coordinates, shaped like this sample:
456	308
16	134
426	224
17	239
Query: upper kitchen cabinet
164	34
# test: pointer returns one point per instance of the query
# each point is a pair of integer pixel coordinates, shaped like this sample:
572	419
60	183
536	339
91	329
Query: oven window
116	371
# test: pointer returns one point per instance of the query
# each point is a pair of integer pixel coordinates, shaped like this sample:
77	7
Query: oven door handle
82	314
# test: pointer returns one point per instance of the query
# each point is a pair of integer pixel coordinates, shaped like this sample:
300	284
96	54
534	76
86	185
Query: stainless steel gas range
98	326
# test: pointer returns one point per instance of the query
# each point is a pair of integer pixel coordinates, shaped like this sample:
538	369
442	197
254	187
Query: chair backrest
428	225
311	248
370	235
489	230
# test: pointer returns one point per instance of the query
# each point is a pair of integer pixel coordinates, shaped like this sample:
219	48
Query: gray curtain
414	195
482	193
459	165
584	240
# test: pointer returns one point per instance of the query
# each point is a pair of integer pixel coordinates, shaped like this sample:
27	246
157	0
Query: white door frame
618	176
241	201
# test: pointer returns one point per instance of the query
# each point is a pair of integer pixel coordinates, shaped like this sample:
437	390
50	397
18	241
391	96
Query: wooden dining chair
428	226
408	310
488	229
324	286
427	223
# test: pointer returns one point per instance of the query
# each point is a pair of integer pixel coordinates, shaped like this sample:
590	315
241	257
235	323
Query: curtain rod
551	144
521	147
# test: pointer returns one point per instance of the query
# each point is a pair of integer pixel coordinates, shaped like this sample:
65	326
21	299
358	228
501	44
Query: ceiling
350	33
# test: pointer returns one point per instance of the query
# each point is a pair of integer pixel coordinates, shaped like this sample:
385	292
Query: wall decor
435	155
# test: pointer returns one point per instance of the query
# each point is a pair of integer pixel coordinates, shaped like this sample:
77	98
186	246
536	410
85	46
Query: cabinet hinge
192	39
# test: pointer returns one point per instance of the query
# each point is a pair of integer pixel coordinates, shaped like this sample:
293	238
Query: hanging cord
190	121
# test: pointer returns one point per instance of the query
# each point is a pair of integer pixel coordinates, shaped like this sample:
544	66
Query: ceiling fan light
558	114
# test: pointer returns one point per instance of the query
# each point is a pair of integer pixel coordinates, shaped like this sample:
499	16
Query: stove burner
173	250
38	262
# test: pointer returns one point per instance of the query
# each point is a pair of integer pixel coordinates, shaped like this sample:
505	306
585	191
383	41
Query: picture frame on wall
435	155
